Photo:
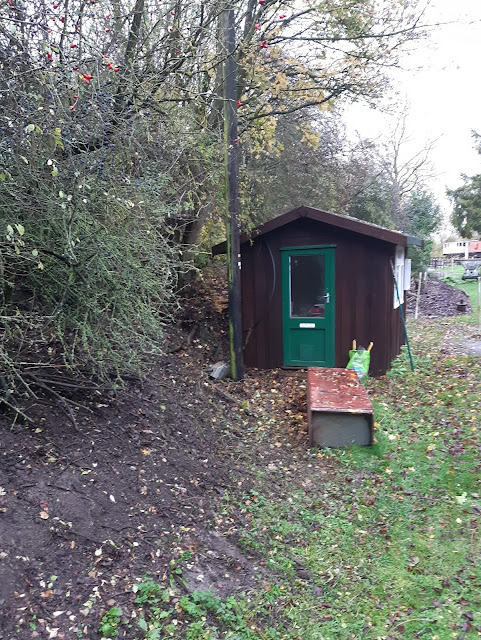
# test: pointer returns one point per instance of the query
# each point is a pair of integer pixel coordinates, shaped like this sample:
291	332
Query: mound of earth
87	513
438	300
83	513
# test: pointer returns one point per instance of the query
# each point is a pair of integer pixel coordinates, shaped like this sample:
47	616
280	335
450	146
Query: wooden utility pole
229	77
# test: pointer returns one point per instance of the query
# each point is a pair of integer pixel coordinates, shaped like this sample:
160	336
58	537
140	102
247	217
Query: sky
441	82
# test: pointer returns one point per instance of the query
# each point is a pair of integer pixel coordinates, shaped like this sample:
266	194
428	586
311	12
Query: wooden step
339	411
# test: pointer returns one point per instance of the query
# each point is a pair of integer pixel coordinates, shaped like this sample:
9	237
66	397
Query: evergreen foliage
424	219
466	216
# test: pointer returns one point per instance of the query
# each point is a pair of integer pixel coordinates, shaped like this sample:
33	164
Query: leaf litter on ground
379	542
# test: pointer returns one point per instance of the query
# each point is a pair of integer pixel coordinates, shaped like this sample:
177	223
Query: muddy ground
86	513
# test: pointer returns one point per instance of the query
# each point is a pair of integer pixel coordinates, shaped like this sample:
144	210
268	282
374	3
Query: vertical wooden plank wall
364	294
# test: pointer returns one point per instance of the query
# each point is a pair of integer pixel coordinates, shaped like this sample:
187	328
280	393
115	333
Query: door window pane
307	286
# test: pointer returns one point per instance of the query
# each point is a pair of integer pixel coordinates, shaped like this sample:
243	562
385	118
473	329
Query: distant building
475	249
463	249
457	249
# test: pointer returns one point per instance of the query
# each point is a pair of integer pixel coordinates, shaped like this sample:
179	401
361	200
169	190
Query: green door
308	306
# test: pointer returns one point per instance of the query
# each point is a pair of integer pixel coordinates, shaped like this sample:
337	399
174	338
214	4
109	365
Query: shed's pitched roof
332	219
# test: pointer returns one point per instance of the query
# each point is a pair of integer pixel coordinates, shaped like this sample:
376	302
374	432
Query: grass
379	543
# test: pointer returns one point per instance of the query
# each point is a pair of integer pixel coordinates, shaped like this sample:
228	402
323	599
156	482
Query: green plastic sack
359	360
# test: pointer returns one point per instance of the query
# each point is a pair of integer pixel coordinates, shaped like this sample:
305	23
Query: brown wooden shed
312	281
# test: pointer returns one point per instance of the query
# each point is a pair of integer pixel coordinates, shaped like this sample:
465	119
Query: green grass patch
168	612
391	544
379	543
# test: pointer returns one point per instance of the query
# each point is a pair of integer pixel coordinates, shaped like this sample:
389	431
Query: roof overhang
412	241
333	219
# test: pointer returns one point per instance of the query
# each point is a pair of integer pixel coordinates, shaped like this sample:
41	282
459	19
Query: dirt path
440	300
462	339
83	516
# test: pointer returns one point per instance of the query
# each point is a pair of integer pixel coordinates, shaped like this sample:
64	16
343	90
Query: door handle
326	298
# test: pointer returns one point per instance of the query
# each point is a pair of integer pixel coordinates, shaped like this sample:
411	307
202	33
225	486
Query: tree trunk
232	194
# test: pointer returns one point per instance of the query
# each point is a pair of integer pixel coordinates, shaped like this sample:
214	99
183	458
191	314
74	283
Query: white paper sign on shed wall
407	274
399	275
